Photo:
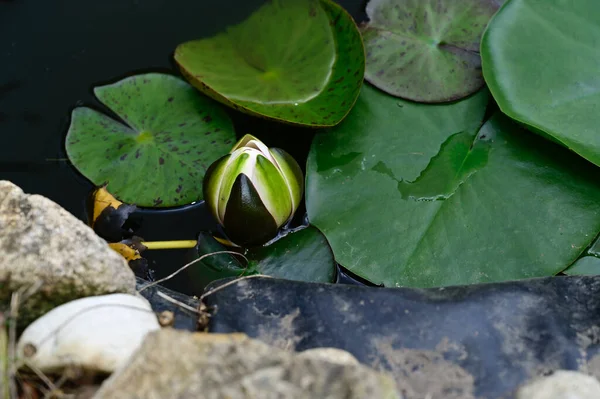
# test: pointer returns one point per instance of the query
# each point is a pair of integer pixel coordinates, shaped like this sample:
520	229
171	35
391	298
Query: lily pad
159	156
540	60
301	255
426	50
417	195
586	266
595	248
295	61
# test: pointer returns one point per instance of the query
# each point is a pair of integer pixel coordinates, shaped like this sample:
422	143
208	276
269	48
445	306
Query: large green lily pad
302	255
426	50
295	61
540	60
159	156
416	195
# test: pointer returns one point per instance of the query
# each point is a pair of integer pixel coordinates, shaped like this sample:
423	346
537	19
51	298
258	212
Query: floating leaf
586	266
408	194
158	159
301	255
110	218
540	60
426	50
131	249
595	248
295	61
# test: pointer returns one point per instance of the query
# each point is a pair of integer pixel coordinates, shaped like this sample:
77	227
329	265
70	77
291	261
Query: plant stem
180	244
4	378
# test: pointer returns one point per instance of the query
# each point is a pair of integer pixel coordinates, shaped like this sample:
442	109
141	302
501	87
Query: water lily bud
253	191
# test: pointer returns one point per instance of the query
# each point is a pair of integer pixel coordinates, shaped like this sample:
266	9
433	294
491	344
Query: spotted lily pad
295	61
426	50
159	156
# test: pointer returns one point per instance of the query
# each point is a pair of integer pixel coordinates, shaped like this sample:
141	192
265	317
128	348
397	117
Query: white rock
562	384
96	333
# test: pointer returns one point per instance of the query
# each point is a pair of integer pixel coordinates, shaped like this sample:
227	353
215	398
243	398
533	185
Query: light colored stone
95	333
42	242
332	355
563	384
175	364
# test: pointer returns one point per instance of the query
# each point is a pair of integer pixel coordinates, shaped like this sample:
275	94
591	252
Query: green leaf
595	248
540	60
586	266
214	267
295	61
404	198
158	159
426	50
302	255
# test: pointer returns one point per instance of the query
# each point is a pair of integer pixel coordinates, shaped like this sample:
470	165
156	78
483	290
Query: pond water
52	54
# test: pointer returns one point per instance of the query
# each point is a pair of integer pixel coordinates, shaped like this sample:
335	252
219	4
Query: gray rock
177	364
40	242
562	384
332	355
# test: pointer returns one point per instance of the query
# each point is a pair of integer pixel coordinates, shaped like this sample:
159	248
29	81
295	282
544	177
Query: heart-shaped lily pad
426	50
295	61
158	159
419	195
540	61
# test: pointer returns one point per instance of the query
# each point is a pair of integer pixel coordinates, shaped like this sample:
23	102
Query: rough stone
332	355
97	333
176	364
563	384
41	243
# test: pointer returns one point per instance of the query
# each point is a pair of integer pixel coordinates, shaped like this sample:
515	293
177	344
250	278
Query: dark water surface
52	52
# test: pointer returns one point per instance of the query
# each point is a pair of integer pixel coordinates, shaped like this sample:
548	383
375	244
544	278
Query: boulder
97	333
175	364
562	384
44	246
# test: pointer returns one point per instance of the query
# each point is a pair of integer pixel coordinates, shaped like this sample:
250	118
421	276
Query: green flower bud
253	191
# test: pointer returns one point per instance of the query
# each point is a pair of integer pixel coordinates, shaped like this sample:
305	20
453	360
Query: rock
332	355
563	384
42	243
96	333
177	364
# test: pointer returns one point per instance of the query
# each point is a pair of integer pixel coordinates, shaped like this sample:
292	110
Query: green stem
180	244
